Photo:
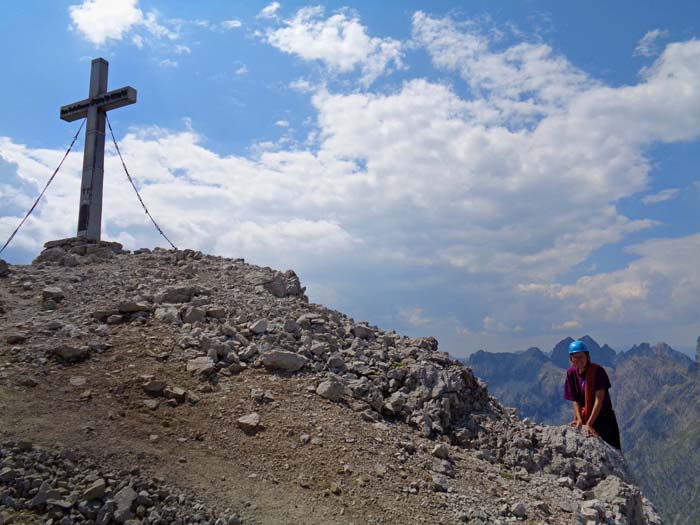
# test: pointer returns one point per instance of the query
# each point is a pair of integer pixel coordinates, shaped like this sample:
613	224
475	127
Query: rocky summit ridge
170	386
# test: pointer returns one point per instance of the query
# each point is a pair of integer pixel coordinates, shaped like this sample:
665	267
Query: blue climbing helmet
577	346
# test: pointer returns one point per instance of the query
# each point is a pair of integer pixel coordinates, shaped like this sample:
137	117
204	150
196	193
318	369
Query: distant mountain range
656	395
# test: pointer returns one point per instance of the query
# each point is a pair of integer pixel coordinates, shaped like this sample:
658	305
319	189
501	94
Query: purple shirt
575	388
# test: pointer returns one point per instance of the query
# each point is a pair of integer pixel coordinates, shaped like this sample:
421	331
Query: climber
587	386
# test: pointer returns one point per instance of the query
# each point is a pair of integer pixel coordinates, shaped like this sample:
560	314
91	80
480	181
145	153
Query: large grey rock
179	294
71	353
51	255
123	501
95	491
168	314
130	307
332	390
283	360
4	268
201	365
249	423
15	339
193	314
284	285
361	331
258	327
52	293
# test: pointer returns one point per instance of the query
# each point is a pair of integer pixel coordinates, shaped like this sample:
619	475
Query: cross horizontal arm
110	100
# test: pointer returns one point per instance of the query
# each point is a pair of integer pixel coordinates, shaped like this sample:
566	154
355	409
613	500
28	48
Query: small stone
16	339
95	491
283	360
201	365
52	293
151	403
519	510
154	387
304	481
77	381
27	381
441	451
259	327
250	423
176	393
7	474
332	390
130	307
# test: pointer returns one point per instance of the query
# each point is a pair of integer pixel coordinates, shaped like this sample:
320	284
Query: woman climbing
587	386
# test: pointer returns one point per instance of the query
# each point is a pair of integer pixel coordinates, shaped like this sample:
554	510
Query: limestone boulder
283	360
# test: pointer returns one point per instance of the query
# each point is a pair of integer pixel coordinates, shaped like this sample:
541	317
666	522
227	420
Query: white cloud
282	123
101	20
414	317
663	195
340	42
522	83
662	284
572	324
648	44
269	11
168	63
155	28
182	50
241	70
303	86
231	24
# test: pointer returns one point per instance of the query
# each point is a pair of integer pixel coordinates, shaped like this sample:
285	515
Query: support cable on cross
116	146
12	236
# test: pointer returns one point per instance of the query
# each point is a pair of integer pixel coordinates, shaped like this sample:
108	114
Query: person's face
579	360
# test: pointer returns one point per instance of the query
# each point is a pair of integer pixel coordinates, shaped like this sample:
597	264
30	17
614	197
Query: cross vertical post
95	108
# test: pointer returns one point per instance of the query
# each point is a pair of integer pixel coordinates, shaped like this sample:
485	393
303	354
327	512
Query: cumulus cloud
663	195
662	284
339	41
269	11
232	24
99	21
414	317
571	324
648	44
521	83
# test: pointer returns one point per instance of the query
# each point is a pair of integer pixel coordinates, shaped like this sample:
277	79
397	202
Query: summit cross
95	108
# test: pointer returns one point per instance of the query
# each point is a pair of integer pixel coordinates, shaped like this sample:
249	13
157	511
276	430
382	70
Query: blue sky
496	174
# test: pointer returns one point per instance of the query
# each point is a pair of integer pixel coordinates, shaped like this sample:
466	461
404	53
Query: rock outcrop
230	321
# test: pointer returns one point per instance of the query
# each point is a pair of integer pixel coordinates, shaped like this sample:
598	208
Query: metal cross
94	108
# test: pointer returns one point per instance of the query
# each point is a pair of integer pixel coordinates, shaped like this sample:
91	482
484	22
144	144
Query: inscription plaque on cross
95	107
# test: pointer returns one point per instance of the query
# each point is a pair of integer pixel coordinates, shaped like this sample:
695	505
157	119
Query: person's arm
599	396
578	417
